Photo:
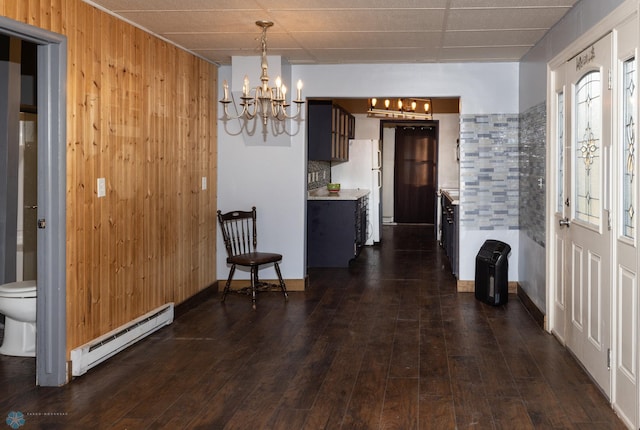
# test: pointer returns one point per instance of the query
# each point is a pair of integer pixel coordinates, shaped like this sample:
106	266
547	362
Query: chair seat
254	258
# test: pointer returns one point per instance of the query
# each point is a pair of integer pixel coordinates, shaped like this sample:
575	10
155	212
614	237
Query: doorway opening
415	173
50	105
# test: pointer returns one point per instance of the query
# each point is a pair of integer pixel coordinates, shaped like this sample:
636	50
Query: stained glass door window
629	115
588	149
560	149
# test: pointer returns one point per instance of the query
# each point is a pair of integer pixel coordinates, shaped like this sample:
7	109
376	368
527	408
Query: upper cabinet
329	128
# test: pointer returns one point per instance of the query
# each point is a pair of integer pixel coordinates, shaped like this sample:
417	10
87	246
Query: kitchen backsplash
318	174
489	172
533	135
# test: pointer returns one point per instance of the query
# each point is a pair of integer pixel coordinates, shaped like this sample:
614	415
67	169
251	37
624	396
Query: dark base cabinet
336	231
449	232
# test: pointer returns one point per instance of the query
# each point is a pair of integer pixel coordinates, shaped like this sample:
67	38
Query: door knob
564	222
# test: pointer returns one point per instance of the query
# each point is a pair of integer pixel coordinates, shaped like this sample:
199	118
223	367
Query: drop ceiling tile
511	53
197	22
486	19
349	20
166	5
457	4
490	38
352	4
366	39
346	56
219	56
246	42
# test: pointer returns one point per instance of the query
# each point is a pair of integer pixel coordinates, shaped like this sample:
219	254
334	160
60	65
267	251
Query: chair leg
282	286
254	285
228	284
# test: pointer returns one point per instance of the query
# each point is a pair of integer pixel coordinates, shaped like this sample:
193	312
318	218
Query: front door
585	225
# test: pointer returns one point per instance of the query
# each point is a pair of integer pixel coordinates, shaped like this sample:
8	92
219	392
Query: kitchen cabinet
329	128
336	230
449	228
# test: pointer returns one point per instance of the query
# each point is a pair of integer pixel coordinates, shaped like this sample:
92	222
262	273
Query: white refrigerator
364	170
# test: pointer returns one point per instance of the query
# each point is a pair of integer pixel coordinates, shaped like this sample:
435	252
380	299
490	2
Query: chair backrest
239	231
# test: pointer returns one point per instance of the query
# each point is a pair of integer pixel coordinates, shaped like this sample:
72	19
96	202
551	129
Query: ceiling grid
349	31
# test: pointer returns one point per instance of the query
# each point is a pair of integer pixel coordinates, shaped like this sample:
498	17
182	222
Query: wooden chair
240	239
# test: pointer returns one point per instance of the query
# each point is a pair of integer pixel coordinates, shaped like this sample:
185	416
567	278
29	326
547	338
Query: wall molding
538	316
470	287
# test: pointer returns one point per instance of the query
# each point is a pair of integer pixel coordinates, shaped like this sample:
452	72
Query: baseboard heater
98	350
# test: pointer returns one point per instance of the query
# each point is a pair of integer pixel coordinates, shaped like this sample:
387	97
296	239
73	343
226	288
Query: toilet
18	305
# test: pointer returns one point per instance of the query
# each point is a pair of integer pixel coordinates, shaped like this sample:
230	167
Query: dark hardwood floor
387	343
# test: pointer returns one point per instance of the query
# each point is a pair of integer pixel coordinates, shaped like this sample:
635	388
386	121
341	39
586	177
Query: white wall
271	173
470	242
483	87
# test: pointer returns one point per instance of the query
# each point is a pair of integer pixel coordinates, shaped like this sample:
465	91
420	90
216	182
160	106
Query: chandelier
263	101
410	108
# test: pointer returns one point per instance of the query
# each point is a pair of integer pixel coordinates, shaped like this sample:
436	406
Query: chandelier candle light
264	101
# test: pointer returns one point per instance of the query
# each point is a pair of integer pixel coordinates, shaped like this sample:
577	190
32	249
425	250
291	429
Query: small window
628	141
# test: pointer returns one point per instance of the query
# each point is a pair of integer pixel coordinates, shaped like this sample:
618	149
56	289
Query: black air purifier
492	273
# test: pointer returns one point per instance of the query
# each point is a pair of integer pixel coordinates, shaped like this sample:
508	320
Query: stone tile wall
533	133
489	172
318	174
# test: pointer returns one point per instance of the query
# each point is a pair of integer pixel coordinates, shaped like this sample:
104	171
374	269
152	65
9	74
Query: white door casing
560	209
625	167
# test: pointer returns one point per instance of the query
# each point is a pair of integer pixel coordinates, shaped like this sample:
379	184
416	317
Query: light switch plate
102	188
204	183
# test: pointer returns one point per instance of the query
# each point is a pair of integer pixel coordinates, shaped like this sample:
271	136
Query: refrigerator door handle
379	178
378	159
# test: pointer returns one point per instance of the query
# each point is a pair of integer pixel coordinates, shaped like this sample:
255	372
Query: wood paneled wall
141	113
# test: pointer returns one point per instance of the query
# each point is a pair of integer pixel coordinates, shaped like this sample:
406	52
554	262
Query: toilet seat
22	289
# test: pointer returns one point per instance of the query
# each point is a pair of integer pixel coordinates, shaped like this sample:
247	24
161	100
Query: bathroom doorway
50	261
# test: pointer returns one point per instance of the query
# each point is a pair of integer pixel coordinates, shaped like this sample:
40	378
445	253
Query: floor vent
98	350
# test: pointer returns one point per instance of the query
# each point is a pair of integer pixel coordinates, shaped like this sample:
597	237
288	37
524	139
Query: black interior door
415	177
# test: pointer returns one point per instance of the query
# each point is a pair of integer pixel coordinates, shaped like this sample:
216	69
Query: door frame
392	124
606	25
51	339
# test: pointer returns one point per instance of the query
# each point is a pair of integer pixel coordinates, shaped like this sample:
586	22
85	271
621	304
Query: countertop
452	194
343	194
